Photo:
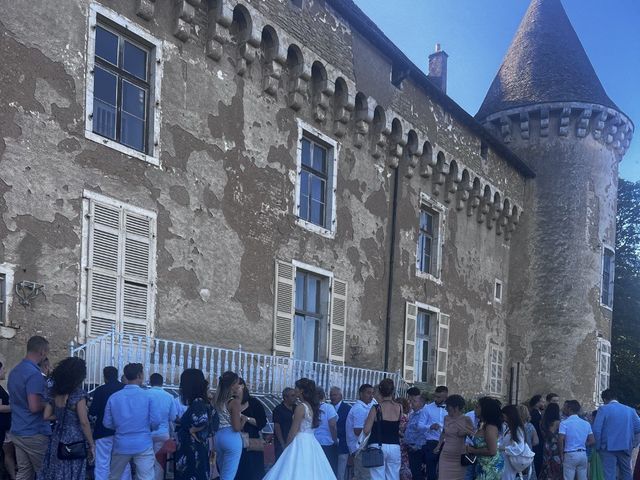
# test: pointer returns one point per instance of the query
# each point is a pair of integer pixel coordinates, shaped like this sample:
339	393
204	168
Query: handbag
73	450
373	457
467	459
252	444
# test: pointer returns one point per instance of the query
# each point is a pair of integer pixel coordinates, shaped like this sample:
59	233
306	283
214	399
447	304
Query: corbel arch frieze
363	113
452	181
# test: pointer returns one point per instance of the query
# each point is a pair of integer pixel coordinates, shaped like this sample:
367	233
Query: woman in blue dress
67	404
193	429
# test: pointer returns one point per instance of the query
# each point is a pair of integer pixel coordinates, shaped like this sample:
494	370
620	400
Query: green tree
625	361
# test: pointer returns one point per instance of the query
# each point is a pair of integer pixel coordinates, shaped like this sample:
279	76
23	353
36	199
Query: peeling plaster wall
224	193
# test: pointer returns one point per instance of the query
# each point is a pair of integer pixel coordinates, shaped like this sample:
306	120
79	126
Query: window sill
121	148
607	307
428	276
8	331
312	227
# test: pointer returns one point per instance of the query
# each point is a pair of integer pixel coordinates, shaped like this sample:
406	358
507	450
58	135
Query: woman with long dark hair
513	442
252	461
303	457
192	430
551	464
485	442
67	403
228	441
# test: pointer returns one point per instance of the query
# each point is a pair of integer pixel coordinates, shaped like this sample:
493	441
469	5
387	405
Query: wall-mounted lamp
27	291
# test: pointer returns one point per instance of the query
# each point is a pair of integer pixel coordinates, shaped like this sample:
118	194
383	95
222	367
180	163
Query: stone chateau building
275	183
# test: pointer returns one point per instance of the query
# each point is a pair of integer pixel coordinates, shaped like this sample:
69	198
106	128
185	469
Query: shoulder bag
372	457
73	450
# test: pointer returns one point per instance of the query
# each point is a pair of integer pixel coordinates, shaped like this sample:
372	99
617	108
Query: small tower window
484	150
497	295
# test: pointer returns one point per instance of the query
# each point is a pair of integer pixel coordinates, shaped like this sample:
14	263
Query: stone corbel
505	129
474	203
412	161
496	210
583	123
145	9
601	121
185	14
524	125
321	100
297	90
341	116
544	122
511	226
439	177
464	189
379	142
364	119
565	118
612	130
247	54
452	183
396	149
218	33
427	164
272	72
503	221
485	208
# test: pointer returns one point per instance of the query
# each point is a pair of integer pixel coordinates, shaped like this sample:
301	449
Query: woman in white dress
303	457
514	445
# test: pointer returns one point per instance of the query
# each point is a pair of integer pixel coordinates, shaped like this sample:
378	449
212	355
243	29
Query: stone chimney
438	68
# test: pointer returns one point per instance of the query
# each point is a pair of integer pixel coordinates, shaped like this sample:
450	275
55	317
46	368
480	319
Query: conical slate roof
545	63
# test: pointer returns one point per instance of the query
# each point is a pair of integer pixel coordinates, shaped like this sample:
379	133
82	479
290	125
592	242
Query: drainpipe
392	255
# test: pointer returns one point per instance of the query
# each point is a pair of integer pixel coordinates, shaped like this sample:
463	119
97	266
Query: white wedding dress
303	458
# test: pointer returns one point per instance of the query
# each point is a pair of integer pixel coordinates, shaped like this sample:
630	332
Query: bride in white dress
303	458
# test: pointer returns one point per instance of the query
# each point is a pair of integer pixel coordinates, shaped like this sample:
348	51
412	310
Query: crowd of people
126	431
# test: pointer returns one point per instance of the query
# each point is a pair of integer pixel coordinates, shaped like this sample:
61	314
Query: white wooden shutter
338	322
284	309
443	349
137	278
103	294
409	362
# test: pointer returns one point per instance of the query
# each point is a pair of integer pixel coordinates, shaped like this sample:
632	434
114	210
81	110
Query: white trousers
343	458
391	468
575	466
158	443
143	461
103	460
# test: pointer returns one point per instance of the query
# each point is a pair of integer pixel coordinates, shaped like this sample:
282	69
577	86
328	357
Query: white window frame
604	368
304	129
426	201
87	196
436	320
498	298
156	66
499	349
606	247
7	270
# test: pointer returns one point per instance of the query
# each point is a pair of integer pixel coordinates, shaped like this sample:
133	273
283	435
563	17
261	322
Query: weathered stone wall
224	192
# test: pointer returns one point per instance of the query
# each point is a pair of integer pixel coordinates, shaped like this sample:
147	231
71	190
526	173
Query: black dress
192	454
252	463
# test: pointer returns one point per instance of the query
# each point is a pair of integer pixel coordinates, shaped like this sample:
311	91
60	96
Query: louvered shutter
410	319
443	349
102	270
284	309
137	278
338	325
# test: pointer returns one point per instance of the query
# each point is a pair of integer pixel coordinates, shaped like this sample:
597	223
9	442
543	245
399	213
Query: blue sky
476	34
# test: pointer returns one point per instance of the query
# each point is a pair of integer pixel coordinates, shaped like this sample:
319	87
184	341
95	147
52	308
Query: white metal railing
265	374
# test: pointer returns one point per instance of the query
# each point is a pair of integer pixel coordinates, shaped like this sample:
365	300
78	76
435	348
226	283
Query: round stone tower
548	105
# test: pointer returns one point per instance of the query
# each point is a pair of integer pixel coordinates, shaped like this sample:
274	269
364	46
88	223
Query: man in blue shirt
29	430
130	414
342	409
162	403
103	436
415	434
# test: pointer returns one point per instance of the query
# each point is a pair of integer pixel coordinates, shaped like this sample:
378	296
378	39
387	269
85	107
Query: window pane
132	132
133	100
306	152
320	159
317	213
313	290
304	183
106	45
304	207
317	189
104	103
300	291
134	60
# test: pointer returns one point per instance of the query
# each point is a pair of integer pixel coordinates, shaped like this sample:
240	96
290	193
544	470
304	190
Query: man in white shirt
342	409
574	436
355	423
327	431
162	402
434	418
414	435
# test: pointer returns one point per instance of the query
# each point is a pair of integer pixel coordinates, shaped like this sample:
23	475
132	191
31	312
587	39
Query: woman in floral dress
551	465
192	449
405	471
490	464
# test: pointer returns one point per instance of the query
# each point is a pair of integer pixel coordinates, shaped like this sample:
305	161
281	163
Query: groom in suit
616	429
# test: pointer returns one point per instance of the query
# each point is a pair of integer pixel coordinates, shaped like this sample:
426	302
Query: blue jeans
228	445
620	460
431	459
470	474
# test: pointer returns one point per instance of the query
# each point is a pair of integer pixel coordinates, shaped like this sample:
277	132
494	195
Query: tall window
3	299
426	331
123	85
121	89
427	254
314	177
608	277
604	367
119	289
311	303
496	370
